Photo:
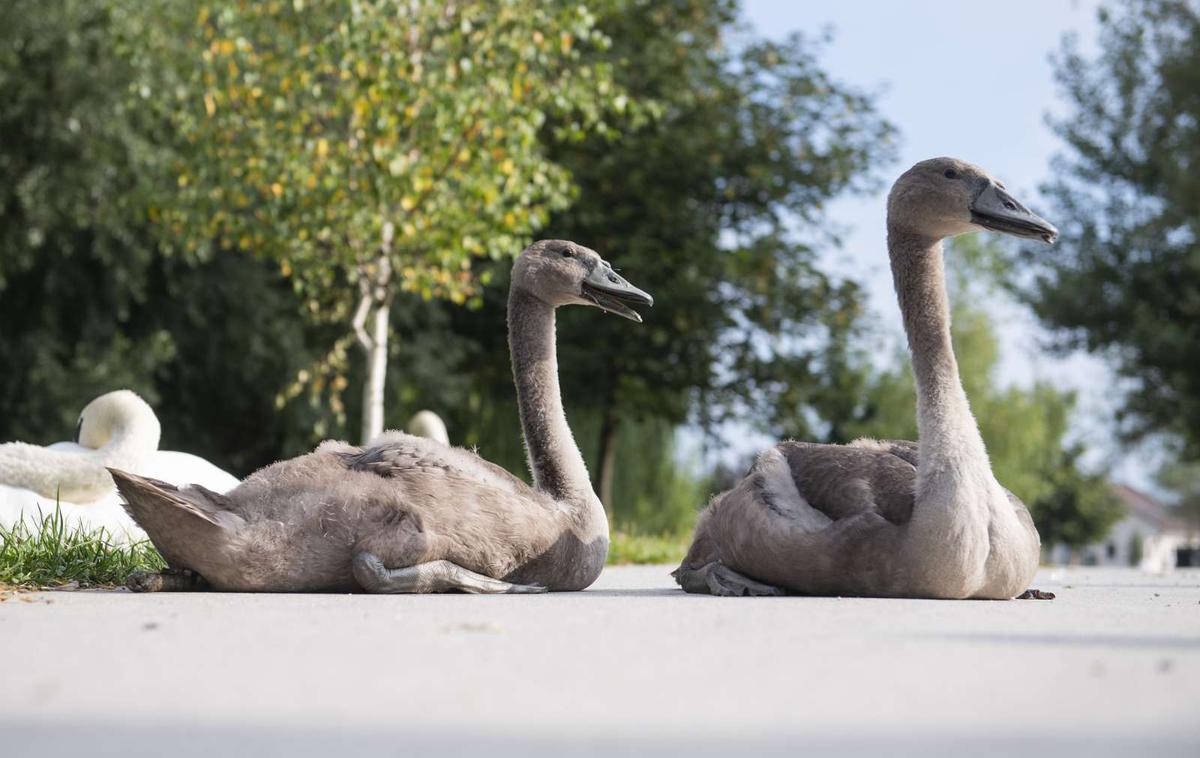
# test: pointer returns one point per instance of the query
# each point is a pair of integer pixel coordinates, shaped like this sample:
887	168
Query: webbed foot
718	579
167	580
1032	594
434	576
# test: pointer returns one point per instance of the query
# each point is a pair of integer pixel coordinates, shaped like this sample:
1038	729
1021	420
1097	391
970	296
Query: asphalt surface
1111	667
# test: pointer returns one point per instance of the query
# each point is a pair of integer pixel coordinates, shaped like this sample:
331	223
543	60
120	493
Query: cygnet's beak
610	292
995	209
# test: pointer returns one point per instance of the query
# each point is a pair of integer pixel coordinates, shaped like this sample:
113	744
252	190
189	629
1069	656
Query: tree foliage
750	140
74	249
1124	279
1182	480
88	302
372	147
1076	508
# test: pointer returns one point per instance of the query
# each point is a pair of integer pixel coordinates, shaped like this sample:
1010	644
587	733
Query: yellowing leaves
354	126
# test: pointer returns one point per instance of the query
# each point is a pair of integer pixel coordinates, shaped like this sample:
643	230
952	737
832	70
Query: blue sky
971	80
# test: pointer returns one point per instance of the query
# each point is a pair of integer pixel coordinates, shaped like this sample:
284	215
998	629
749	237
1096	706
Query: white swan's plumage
116	428
429	425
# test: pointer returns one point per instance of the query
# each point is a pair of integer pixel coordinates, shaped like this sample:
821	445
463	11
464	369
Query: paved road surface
1112	667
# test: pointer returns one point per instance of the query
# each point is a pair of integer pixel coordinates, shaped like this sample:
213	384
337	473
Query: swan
116	429
428	424
408	514
888	518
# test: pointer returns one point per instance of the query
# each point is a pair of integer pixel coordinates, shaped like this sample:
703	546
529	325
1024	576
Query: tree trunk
377	353
375	301
608	458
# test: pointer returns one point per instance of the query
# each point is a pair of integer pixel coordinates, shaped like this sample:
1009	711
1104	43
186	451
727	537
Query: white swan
429	425
115	427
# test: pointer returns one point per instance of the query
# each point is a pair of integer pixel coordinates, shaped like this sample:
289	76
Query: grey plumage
408	514
887	518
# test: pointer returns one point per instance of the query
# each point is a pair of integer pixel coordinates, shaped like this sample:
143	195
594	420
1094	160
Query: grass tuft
55	554
48	553
627	547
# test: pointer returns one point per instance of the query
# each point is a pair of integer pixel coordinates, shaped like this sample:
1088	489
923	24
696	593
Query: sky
971	80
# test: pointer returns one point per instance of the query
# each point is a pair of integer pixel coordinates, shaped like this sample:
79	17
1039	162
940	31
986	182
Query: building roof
1143	507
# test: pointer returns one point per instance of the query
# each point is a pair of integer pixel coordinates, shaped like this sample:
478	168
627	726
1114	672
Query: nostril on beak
1010	205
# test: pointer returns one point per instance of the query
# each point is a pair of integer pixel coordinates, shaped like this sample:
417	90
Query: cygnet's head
560	272
945	197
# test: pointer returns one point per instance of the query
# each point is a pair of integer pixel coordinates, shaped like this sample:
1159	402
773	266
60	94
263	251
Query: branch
360	317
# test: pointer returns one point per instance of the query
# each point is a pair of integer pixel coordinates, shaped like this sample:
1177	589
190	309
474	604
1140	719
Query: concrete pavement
1112	667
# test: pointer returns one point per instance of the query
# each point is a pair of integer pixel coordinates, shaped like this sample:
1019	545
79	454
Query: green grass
628	547
56	554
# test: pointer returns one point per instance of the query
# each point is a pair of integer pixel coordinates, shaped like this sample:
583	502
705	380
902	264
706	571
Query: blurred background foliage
195	194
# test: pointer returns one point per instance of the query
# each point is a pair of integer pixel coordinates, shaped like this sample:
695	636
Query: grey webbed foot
167	580
718	579
1032	594
434	576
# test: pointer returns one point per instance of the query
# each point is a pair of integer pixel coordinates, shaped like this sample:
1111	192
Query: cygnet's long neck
947	431
554	458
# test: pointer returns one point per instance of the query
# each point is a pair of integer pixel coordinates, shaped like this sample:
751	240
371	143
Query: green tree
747	143
1182	480
1076	508
1124	280
372	147
88	303
74	244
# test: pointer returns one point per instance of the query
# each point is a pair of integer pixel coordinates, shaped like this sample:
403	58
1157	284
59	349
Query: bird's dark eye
568	254
950	173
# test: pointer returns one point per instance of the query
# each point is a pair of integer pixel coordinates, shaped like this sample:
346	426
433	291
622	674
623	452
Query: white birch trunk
372	418
376	304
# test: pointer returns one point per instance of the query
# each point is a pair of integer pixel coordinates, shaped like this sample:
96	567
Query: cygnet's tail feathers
184	524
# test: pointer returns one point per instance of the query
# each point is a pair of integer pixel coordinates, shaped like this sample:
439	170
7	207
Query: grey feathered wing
180	522
866	475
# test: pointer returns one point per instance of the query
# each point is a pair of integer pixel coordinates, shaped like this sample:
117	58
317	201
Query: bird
883	518
428	424
404	514
117	428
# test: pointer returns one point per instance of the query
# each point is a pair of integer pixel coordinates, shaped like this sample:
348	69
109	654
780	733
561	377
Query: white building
1149	536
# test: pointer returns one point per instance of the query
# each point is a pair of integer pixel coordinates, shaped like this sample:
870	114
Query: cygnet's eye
950	173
